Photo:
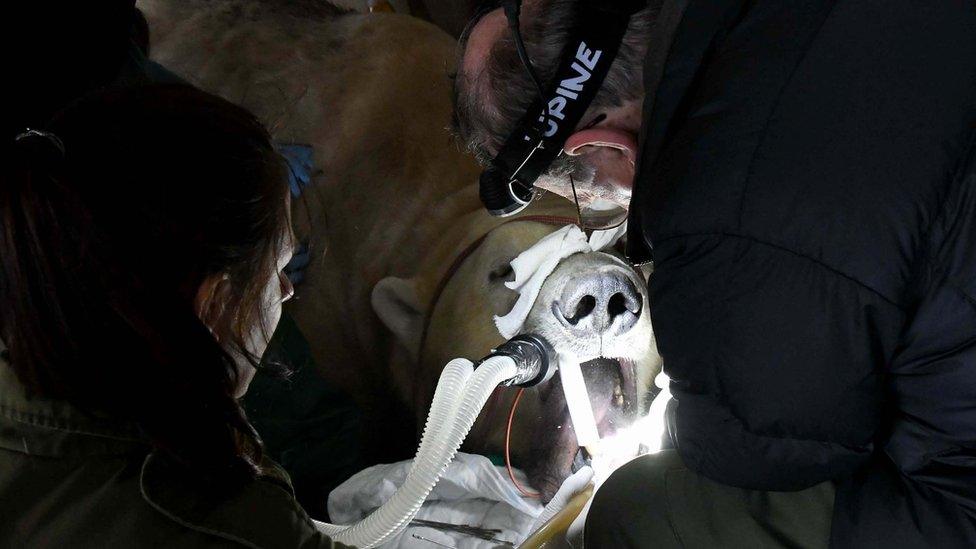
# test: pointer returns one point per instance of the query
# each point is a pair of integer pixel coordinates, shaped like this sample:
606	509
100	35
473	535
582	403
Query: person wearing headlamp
803	177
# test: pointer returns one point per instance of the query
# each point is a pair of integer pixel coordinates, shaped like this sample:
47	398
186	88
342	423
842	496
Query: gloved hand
300	165
571	486
295	269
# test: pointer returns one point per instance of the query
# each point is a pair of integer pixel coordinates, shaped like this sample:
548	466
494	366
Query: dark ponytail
108	226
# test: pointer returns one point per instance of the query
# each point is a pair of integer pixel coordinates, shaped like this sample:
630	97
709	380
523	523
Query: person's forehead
480	41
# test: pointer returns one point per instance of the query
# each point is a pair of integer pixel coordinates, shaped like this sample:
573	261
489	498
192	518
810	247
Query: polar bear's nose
599	304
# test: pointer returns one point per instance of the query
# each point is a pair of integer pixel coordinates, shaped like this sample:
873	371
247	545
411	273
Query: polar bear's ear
396	302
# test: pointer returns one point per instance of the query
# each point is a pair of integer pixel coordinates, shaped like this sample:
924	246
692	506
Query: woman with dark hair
143	235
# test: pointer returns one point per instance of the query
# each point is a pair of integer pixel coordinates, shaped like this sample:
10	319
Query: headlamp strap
583	67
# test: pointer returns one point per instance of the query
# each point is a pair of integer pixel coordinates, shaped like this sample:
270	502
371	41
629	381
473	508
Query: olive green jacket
72	479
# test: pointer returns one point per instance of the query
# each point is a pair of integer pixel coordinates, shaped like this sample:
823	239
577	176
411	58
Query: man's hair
489	104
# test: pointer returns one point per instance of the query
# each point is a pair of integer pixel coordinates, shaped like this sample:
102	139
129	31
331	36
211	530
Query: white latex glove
571	486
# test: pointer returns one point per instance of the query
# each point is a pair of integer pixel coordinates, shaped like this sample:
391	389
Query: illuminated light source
644	436
578	401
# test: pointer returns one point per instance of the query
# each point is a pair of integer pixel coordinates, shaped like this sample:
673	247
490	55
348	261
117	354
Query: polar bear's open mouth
613	392
613	389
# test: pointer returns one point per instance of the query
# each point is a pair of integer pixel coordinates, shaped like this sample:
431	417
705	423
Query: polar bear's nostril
584	308
625	302
624	308
617	305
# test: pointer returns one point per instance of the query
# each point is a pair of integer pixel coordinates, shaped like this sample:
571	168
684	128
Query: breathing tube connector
461	393
534	358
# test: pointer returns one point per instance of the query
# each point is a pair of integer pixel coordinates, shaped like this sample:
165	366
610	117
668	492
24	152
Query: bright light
644	436
577	400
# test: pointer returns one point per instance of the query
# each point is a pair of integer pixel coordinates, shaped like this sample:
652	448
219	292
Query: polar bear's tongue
533	266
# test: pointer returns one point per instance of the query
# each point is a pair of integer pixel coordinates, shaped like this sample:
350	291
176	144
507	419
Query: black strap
584	64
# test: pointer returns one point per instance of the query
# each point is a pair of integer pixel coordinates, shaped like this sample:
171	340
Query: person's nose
287	288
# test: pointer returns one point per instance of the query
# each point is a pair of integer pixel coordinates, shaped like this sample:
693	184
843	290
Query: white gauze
533	266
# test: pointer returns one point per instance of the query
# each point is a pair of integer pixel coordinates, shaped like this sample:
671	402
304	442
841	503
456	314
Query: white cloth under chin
472	492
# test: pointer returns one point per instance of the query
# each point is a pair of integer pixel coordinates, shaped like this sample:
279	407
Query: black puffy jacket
807	191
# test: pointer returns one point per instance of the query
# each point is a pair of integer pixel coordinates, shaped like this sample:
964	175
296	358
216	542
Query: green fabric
73	479
309	427
655	501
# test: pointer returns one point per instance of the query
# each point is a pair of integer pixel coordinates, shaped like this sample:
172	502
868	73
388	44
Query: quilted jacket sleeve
921	492
933	379
787	374
775	361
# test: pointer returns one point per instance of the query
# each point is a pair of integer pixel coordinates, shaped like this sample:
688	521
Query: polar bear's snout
605	303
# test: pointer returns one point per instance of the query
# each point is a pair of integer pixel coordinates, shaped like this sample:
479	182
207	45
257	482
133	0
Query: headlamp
507	185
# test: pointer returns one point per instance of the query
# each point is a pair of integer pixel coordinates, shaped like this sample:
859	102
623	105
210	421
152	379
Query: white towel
533	266
472	491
